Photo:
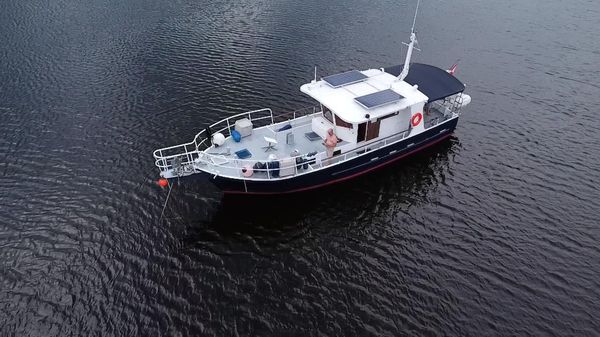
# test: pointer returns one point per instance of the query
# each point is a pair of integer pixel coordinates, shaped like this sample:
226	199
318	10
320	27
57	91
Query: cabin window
342	123
327	114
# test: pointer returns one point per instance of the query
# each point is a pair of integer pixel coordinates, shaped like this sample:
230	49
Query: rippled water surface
494	232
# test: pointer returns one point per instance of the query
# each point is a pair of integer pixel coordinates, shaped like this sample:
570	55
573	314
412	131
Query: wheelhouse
363	106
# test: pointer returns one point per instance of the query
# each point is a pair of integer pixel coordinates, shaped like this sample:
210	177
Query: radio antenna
412	30
411	46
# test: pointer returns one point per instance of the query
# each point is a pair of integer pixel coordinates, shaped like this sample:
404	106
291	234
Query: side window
342	123
327	114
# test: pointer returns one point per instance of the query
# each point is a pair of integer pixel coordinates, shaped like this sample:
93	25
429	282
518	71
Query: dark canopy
434	82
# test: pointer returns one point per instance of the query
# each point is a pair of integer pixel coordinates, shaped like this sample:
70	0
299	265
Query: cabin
364	106
361	106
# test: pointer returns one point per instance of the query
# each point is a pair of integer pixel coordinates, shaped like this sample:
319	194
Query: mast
411	46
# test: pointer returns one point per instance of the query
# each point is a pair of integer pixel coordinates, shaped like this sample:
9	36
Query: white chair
270	144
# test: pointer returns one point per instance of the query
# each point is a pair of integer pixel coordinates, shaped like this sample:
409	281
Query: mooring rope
166	201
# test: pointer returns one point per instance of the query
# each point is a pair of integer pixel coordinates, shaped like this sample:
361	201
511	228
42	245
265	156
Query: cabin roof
352	96
434	82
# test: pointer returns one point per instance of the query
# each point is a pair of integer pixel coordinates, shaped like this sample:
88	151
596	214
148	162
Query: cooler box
287	167
244	127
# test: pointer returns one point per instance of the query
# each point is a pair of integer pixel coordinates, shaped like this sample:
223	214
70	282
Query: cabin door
362	132
373	129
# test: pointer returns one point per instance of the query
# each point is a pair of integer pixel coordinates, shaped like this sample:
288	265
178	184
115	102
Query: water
494	232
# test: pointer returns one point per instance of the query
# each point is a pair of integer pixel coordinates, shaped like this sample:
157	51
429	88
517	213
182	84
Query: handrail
195	140
163	156
319	158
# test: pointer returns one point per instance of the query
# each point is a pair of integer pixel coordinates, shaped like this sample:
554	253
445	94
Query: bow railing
183	159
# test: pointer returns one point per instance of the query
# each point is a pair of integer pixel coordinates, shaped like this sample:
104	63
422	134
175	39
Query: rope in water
166	201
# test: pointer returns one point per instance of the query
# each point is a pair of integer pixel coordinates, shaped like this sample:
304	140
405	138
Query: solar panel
379	98
342	79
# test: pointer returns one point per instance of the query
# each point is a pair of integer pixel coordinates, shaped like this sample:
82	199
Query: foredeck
294	147
256	144
302	144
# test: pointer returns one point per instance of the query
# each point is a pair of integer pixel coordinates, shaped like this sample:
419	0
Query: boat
378	116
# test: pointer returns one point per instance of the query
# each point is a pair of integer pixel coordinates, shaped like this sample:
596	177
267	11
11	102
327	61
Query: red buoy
162	182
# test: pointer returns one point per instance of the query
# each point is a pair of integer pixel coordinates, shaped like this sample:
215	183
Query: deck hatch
379	98
342	79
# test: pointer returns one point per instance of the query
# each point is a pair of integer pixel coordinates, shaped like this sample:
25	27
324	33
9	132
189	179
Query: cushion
285	127
243	154
236	136
312	136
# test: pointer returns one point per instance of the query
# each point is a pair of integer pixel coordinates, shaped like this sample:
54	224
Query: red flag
452	69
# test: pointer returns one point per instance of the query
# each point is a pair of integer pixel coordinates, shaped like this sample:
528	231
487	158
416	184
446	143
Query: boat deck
295	148
230	159
256	144
434	116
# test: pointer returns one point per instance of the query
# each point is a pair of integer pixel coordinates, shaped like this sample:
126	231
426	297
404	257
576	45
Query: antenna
411	46
412	30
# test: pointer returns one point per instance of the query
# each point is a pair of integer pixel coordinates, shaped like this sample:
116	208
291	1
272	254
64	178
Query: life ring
416	119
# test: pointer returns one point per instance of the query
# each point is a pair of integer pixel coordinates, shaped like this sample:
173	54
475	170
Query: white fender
466	99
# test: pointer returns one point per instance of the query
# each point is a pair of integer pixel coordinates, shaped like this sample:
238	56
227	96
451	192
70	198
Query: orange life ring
416	119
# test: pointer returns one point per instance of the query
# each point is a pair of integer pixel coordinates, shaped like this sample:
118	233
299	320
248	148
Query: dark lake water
494	232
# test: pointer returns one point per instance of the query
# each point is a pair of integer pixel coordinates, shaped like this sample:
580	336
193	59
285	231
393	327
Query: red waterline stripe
344	178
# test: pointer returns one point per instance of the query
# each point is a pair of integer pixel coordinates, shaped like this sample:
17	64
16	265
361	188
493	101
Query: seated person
330	142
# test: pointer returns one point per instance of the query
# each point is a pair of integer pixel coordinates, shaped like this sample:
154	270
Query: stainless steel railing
182	159
189	158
